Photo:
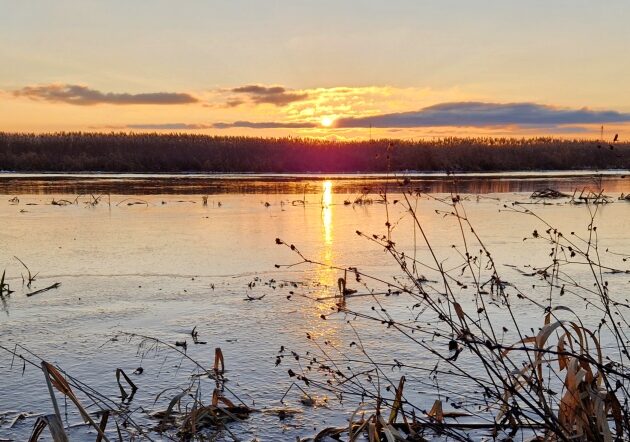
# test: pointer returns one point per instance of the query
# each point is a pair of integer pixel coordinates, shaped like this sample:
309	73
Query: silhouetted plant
557	383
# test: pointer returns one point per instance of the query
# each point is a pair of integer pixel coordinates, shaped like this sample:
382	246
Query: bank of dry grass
122	152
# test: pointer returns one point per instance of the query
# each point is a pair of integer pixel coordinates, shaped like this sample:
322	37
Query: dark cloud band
477	114
264	125
276	95
524	116
169	126
84	96
235	124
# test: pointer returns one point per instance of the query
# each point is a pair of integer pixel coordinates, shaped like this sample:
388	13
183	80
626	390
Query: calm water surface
150	258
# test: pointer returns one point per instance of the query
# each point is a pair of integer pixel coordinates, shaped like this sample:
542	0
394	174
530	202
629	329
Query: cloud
514	116
84	96
478	114
234	102
169	126
265	125
555	129
276	95
241	124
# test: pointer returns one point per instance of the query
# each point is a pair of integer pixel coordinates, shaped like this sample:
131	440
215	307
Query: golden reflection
325	275
327	212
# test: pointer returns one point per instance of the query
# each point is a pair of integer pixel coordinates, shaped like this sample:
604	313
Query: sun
327	121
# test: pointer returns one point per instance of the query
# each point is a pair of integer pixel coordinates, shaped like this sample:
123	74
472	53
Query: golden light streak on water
325	275
327	219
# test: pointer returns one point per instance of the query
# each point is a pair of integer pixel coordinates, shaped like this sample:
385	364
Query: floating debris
123	392
253	298
50	287
548	193
195	336
30	277
4	287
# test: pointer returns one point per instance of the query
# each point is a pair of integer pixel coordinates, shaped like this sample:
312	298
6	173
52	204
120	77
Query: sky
341	69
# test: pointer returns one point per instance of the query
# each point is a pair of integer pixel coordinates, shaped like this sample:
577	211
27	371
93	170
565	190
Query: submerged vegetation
126	152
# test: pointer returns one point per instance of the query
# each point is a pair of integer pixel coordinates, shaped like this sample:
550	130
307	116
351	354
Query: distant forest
122	152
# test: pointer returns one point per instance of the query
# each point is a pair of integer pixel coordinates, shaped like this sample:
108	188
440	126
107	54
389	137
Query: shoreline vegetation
164	153
566	380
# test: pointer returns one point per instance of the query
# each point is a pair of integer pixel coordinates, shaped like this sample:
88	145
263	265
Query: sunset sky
412	69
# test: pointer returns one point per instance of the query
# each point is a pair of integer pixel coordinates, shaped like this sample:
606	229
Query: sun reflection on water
325	275
327	221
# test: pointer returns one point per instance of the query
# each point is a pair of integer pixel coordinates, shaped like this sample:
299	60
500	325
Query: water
151	259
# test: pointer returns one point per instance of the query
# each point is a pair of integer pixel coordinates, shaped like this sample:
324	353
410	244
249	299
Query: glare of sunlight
327	121
327	193
327	211
326	275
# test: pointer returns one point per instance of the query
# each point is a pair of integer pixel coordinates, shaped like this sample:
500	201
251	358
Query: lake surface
216	184
150	258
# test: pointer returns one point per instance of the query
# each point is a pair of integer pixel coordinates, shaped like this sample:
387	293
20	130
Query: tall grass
122	152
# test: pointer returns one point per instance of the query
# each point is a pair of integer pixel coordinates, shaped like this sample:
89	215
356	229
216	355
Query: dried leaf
436	411
54	426
397	401
459	311
219	361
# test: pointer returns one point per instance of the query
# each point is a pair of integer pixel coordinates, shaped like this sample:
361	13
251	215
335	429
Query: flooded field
160	256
